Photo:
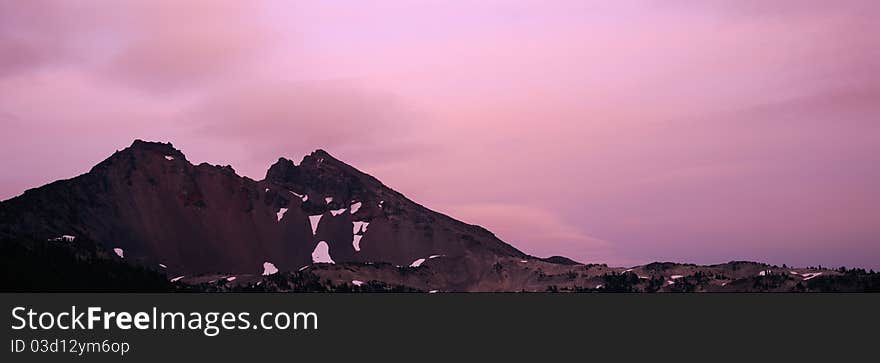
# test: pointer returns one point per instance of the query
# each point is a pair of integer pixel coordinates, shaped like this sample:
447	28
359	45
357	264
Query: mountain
146	214
149	203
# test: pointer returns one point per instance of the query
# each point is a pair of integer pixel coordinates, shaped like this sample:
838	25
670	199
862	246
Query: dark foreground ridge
146	219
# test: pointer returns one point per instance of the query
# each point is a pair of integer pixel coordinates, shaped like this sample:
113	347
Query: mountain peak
152	149
318	157
140	151
283	169
139	144
320	152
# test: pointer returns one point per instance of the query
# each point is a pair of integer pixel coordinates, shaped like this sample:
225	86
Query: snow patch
269	269
280	213
417	263
357	282
314	220
162	265
118	252
675	277
356	242
432	292
524	261
627	270
794	273
176	279
810	275
431	257
359	226
169	157
355	207
328	200
337	212
65	238
321	254
230	278
304	197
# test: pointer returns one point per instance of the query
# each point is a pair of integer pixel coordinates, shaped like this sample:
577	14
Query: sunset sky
617	132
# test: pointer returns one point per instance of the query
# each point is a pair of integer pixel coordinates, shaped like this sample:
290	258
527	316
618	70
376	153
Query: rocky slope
153	208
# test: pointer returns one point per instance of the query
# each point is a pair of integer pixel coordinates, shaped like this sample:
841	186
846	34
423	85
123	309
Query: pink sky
608	131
